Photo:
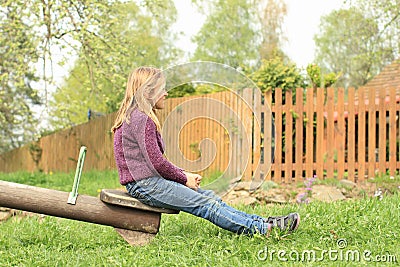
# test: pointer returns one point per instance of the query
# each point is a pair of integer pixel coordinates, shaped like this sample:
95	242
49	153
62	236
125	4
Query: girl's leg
289	222
159	192
211	194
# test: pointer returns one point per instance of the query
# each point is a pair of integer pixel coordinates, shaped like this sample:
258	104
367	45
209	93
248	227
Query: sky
301	24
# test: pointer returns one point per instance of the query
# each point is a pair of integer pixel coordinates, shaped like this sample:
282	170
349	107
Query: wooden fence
337	138
316	132
60	151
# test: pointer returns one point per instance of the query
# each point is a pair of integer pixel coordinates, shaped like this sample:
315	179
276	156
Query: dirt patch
6	213
327	191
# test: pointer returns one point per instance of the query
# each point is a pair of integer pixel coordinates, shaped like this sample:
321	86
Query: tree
354	43
109	38
229	34
242	34
17	97
386	13
271	28
119	37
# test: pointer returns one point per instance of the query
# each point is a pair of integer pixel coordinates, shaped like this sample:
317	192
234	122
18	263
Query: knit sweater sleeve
164	167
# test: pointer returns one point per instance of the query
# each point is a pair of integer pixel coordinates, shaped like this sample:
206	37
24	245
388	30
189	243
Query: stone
267	185
274	195
135	238
242	186
348	183
247	200
326	193
239	197
4	215
242	193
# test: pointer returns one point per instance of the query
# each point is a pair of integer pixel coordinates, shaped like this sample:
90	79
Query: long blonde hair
144	87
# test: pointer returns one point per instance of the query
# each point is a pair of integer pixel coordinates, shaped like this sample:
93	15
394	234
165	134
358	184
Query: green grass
184	240
91	182
391	184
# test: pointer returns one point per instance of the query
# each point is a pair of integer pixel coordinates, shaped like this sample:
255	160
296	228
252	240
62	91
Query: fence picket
340	135
278	135
392	131
256	134
371	132
351	136
299	122
382	131
247	122
361	135
320	133
309	133
288	136
269	140
330	139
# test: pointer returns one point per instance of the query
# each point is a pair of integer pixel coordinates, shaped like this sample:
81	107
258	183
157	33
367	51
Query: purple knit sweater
138	150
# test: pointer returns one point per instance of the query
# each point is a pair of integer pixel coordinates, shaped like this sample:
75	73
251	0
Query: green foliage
17	73
229	35
314	74
182	90
202	89
386	13
104	40
241	33
358	42
124	36
274	73
330	79
194	89
186	240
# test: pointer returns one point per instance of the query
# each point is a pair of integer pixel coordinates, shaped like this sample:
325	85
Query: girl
152	179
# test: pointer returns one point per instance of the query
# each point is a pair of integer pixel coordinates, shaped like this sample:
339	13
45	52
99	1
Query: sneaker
288	223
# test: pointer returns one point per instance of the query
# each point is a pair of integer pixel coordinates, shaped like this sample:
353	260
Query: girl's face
160	104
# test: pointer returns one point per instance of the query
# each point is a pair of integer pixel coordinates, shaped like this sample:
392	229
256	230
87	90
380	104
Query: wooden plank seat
122	198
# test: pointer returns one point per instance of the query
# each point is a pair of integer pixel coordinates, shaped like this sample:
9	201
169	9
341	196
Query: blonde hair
144	88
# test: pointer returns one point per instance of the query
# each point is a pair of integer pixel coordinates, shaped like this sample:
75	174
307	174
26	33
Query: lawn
356	232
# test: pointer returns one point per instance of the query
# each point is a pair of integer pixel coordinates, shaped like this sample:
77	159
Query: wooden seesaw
136	222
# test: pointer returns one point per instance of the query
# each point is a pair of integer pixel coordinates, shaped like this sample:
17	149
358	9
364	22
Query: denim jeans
163	193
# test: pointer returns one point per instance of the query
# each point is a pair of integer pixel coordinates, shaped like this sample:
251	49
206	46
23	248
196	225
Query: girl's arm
154	154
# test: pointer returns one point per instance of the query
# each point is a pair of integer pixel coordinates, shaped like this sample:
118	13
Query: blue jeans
163	193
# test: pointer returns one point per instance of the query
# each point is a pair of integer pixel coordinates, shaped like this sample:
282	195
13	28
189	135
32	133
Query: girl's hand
193	180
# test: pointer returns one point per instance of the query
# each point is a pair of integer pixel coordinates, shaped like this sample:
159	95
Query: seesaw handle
74	193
